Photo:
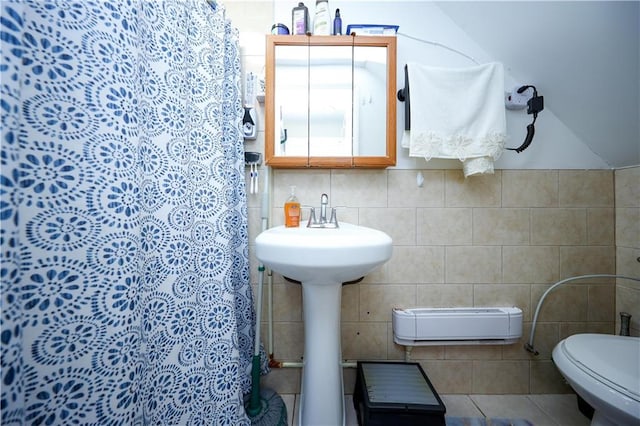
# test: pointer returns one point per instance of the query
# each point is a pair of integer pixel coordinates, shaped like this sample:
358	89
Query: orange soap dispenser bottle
292	210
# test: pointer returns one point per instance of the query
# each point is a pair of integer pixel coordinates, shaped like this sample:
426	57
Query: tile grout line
477	406
549	415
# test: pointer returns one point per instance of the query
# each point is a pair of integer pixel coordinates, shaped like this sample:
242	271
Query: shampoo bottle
292	210
322	18
300	19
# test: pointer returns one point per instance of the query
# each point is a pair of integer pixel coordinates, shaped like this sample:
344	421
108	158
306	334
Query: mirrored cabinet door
330	101
291	102
370	100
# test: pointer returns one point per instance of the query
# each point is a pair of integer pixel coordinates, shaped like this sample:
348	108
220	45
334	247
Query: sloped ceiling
584	57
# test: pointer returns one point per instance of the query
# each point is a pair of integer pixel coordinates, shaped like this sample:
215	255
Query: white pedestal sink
322	259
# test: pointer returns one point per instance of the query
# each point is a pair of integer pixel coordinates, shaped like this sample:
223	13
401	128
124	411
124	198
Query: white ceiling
583	57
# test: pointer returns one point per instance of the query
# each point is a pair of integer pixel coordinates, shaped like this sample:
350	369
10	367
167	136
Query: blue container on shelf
372	29
279	29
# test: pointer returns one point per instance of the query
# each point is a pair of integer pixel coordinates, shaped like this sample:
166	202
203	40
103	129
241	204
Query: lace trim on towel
433	145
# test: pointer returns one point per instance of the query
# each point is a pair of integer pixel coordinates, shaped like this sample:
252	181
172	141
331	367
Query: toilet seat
604	370
611	360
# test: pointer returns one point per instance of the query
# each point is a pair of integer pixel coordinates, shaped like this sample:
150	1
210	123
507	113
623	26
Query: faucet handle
312	216
334	218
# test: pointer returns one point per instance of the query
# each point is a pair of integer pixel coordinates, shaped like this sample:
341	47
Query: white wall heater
456	326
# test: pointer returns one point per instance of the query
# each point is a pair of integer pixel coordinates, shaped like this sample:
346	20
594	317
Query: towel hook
403	96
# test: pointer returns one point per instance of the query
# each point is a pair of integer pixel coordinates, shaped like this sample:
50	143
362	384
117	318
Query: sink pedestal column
322	397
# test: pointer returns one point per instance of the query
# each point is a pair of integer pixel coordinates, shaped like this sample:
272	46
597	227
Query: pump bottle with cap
292	210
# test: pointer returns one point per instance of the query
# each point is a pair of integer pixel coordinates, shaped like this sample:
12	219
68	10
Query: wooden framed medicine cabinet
330	101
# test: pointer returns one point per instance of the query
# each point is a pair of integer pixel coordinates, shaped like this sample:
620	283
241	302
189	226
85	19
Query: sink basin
321	259
323	254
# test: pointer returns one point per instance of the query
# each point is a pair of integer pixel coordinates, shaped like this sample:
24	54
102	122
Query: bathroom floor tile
561	408
460	406
289	402
294	416
351	418
541	410
512	406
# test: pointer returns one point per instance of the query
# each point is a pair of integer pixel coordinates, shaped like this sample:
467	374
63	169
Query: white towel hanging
457	113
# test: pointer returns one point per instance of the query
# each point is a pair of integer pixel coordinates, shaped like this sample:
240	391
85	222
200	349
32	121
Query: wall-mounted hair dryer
520	97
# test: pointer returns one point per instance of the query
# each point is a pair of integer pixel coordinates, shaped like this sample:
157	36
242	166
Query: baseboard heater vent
456	326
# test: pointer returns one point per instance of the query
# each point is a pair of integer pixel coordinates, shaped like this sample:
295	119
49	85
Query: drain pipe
529	346
265	211
270	319
265	214
273	363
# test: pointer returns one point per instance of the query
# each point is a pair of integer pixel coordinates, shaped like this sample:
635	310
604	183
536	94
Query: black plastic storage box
396	393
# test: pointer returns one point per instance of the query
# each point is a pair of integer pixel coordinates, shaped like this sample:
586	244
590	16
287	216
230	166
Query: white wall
555	146
584	54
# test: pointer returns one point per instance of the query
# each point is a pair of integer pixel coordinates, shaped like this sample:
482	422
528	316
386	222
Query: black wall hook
403	96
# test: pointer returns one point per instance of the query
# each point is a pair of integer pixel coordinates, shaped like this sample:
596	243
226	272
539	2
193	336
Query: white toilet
605	371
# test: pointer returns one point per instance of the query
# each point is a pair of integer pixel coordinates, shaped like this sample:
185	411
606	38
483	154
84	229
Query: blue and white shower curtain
125	279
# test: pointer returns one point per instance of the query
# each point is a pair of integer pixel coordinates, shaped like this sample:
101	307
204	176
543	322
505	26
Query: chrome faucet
324	200
322	222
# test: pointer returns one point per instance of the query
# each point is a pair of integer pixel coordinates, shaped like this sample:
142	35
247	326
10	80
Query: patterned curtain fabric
123	223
